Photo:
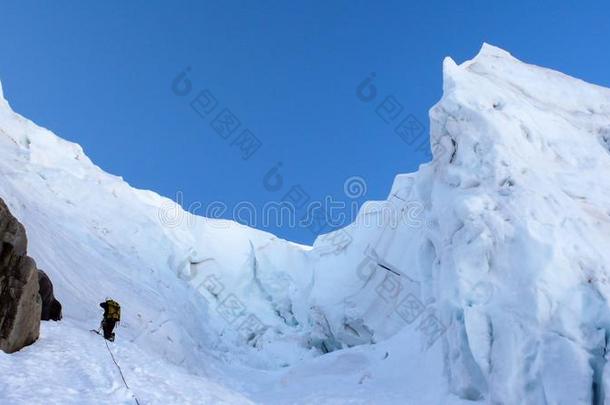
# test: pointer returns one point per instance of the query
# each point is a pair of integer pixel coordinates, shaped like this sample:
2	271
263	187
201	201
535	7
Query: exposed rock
20	302
51	308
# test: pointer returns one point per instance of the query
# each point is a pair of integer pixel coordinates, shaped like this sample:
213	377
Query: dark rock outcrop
20	302
51	308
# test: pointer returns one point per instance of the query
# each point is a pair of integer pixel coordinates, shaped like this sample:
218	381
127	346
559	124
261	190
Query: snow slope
483	277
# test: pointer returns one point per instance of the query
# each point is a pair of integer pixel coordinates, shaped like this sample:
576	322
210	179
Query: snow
483	276
85	373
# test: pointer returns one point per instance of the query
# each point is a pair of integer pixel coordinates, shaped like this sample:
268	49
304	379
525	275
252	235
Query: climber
112	315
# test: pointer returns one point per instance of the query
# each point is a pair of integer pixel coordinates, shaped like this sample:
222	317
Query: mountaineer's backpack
114	310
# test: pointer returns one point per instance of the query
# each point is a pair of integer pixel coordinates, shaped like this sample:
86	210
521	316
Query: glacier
482	278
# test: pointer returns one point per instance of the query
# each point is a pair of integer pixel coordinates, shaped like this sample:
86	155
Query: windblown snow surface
483	277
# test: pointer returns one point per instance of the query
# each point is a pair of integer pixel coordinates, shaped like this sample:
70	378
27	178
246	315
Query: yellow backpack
114	310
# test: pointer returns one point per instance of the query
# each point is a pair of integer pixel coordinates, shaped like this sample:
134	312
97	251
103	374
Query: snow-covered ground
483	277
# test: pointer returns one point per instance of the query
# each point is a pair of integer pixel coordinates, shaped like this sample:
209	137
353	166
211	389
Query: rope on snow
121	372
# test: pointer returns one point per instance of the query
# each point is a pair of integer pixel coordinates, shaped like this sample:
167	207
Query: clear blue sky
100	74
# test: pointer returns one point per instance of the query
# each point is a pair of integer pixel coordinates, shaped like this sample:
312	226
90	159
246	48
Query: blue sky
101	73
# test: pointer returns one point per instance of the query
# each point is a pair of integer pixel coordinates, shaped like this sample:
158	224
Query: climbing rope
120	372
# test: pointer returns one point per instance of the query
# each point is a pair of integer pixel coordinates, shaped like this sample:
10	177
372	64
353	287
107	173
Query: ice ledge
488	50
488	57
487	53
